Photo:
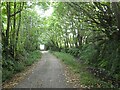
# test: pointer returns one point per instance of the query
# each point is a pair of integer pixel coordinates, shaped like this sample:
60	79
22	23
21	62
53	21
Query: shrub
19	66
85	77
10	67
6	74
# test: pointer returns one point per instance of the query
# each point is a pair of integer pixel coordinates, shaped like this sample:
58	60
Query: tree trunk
17	33
14	29
7	31
116	10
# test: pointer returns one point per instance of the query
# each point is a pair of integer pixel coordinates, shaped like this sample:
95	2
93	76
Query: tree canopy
88	30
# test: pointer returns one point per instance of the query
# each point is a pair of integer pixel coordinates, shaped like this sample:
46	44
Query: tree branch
77	8
17	11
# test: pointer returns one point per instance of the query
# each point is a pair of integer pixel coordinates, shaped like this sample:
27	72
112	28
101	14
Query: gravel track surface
48	73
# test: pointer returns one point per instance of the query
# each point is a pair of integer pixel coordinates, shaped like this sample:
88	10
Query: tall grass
86	78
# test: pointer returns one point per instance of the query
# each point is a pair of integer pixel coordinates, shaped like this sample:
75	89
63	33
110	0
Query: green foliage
12	67
33	56
20	32
88	53
87	80
67	58
90	31
9	64
6	74
18	66
104	56
109	57
74	51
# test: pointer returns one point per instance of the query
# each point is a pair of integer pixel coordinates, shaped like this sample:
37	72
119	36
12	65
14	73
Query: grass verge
12	67
87	80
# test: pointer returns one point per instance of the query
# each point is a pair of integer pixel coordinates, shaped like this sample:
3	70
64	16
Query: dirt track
48	73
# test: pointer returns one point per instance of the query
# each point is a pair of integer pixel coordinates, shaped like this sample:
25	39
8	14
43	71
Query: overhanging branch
17	11
77	8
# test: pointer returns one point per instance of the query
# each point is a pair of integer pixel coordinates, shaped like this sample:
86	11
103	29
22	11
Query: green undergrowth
11	67
87	80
